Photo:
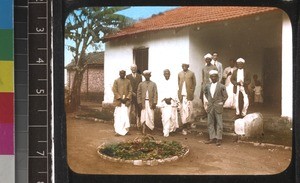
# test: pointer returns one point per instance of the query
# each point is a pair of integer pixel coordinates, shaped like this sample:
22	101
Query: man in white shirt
167	94
216	95
218	64
240	80
230	102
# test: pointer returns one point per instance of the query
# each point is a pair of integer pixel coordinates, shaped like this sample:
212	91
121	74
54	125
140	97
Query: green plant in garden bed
146	148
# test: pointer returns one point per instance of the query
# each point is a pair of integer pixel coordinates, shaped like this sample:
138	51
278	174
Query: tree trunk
75	91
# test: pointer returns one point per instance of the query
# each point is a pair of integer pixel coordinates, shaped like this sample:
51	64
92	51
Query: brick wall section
93	80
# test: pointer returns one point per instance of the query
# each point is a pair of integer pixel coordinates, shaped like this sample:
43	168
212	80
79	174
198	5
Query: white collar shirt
213	62
147	95
240	75
168	89
213	89
183	91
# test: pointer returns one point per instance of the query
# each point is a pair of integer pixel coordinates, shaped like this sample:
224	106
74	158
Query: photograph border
63	173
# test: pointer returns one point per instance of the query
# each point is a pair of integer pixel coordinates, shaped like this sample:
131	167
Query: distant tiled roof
95	58
186	16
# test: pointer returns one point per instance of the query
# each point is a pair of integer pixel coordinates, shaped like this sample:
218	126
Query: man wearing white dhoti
147	100
186	89
230	102
122	97
240	80
167	97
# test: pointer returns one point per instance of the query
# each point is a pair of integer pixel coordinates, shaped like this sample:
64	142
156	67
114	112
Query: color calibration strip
7	157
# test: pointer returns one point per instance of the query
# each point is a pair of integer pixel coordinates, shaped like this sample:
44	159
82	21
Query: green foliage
145	149
86	26
84	30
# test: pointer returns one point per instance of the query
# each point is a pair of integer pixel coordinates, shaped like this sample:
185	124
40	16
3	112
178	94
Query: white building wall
287	67
115	59
247	37
167	50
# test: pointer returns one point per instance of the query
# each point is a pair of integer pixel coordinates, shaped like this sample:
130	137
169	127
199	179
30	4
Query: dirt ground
231	158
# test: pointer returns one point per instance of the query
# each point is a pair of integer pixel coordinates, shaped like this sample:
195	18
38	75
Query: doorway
140	57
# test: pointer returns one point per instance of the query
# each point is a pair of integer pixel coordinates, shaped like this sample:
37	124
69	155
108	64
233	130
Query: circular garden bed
143	151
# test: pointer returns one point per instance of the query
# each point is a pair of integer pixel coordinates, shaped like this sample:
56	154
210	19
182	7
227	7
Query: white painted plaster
287	67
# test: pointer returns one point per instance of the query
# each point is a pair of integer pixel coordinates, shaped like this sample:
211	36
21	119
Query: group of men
235	79
131	93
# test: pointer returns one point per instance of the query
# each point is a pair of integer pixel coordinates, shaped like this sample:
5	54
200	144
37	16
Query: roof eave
114	37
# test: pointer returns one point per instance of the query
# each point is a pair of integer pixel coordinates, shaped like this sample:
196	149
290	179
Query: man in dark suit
216	95
241	79
135	80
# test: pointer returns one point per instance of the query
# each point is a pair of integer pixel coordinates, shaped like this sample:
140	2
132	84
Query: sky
136	12
139	12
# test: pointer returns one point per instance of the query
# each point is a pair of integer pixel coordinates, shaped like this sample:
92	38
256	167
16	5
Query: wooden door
140	57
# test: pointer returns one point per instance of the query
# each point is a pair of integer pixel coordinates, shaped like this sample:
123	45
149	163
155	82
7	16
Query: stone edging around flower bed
140	162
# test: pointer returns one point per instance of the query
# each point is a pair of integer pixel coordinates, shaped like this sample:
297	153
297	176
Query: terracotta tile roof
94	58
186	16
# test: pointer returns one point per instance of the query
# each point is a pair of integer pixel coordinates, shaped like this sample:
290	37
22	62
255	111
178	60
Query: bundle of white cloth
147	115
251	125
121	120
169	117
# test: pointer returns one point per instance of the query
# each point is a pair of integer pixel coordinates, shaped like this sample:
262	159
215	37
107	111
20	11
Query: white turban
211	72
240	60
208	56
146	72
185	63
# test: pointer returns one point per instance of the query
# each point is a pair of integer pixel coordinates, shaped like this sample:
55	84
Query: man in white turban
216	95
206	78
186	89
241	79
147	100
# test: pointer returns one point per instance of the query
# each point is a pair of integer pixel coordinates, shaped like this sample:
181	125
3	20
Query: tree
84	29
